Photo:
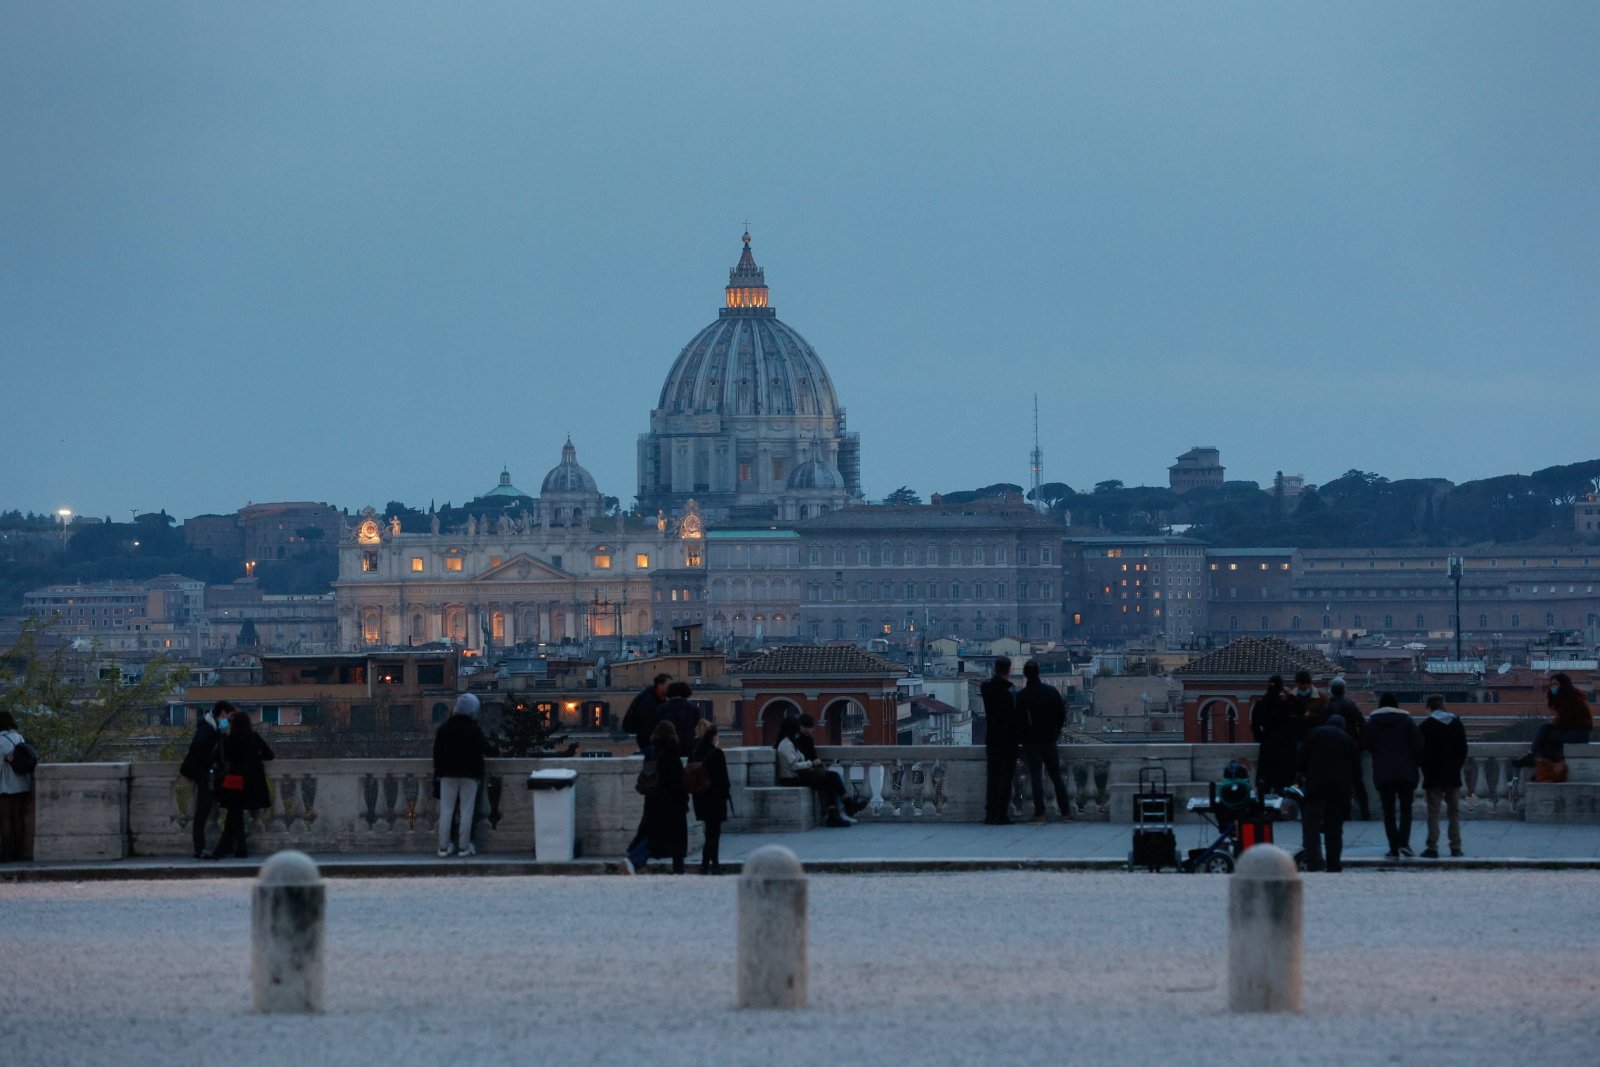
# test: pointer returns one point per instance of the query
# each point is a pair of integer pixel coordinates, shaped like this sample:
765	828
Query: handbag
696	778
1550	770
233	783
649	778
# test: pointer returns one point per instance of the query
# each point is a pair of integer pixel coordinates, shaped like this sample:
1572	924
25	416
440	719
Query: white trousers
451	790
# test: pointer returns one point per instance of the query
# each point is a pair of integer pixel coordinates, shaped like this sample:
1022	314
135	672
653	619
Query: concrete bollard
286	920
1266	927
772	930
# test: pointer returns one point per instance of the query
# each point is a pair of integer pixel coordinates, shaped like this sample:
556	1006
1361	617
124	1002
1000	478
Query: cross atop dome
747	283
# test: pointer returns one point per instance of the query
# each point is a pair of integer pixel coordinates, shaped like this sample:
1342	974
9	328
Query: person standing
1000	742
1355	724
241	782
16	793
1276	728
1444	753
198	764
665	806
640	719
680	711
459	748
712	805
1326	757
1044	713
1396	747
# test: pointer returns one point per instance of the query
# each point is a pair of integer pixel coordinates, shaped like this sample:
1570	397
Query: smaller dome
505	488
568	476
816	474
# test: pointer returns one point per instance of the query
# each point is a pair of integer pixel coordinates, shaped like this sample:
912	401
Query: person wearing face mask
241	782
199	765
1571	722
1309	703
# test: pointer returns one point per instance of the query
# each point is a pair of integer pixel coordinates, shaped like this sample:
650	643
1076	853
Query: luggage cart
1155	844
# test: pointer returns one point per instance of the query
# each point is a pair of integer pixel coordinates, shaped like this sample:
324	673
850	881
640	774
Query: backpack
696	779
24	757
649	778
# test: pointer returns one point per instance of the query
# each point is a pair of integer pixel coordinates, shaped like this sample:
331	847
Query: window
955	590
269	715
1294	623
1422	623
416	564
977	555
494	561
885	591
1022	555
441	712
430	674
863	555
1045	556
555	561
452	563
1000	591
1356	621
816	557
369	563
838	629
744	472
641	560
1483	621
911	590
777	470
1000	555
1388	622
1516	622
1264	625
977	590
602	561
1549	618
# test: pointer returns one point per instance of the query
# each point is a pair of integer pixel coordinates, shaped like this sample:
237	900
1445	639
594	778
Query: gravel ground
1451	968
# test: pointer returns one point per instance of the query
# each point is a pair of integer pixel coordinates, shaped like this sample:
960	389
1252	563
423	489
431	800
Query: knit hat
467	704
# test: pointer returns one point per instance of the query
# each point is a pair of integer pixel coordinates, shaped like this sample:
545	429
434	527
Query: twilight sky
354	252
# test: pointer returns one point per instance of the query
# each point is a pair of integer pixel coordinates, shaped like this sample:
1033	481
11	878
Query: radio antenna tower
1036	460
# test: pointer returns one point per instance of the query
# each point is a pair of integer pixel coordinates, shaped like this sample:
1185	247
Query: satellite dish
1505	668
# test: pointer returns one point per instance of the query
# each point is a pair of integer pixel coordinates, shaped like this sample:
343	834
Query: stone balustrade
113	810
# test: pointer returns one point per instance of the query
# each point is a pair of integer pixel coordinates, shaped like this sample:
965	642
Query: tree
72	723
1110	485
524	730
903	497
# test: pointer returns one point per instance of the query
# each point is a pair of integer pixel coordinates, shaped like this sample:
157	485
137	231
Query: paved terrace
1002	967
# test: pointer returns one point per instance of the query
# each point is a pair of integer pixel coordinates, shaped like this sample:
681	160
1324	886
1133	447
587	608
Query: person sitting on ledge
795	769
1571	723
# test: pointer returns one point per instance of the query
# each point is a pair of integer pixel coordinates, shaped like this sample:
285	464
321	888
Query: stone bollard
1266	920
772	930
286	919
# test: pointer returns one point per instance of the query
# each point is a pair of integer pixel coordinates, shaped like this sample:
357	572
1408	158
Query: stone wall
101	811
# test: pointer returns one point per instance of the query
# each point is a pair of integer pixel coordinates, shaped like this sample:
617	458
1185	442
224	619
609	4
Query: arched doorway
772	715
842	717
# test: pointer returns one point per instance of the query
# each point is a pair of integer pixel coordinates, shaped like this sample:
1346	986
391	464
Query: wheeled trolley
1155	844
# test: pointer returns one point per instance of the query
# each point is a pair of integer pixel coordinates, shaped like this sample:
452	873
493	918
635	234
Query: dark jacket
665	822
246	754
682	715
714	804
202	754
1444	750
1396	747
1042	712
1355	723
807	745
640	719
459	747
999	714
1330	761
1277	726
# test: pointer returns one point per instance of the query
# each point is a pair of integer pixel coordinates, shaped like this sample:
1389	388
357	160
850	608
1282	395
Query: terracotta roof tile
1257	656
817	660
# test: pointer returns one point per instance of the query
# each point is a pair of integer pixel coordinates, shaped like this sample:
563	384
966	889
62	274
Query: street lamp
65	515
1457	567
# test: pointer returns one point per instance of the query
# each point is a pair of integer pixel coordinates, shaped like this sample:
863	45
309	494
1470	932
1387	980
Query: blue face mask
223	725
1554	689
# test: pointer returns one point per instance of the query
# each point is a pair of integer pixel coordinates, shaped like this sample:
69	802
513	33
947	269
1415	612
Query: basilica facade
748	424
552	569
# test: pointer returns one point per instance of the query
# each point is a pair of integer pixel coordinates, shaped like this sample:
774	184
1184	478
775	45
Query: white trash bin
555	814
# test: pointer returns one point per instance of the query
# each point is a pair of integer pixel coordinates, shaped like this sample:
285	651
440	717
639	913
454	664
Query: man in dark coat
197	765
640	719
1354	724
1396	747
1277	729
1001	735
680	712
1444	753
1043	713
459	747
1327	758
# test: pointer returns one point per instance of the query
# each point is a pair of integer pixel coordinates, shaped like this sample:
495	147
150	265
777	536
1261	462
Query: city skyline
357	257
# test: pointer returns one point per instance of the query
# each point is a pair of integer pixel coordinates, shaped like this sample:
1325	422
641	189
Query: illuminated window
452	563
602	561
416	564
494	561
1233	566
642	560
369	562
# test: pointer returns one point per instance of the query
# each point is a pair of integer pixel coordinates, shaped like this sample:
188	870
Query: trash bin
555	814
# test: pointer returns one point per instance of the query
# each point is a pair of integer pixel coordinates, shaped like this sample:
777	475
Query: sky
361	252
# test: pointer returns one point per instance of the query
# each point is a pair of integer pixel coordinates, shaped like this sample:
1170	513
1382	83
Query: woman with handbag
715	801
666	806
241	781
1571	723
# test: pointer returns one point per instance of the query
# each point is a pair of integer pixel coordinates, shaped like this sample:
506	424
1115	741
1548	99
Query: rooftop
1256	657
817	660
